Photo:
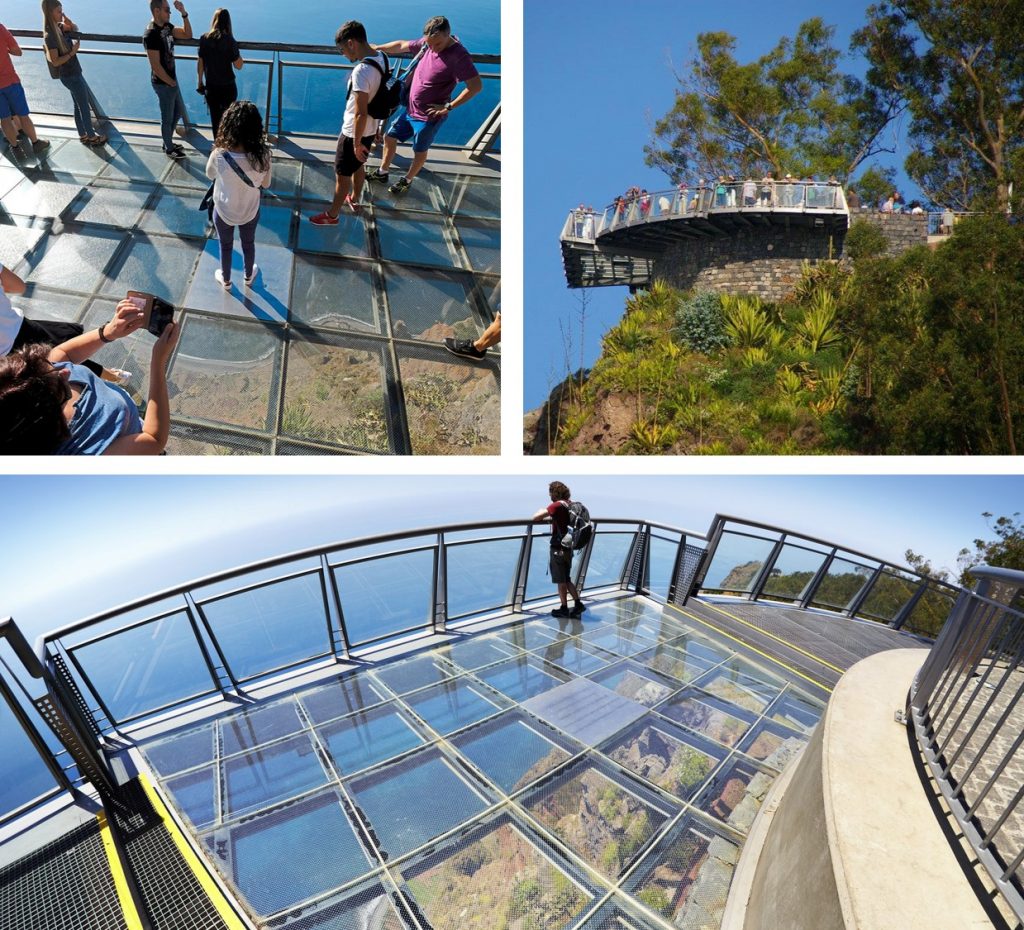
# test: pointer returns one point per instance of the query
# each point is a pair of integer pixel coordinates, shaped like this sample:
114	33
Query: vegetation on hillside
920	353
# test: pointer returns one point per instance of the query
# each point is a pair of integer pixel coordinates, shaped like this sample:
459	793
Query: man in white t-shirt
358	129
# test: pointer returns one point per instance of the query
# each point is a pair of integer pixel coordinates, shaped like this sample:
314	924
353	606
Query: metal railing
274	98
703	200
969	720
761	561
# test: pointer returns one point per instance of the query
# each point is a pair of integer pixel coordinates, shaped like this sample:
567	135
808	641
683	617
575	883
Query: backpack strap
385	71
236	169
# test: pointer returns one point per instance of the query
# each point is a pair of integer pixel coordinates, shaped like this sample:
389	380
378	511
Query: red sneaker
324	219
352	205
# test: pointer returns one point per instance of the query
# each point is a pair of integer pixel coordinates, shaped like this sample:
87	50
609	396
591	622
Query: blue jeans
171	110
80	97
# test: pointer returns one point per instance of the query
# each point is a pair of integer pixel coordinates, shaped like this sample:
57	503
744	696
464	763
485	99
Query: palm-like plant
746	323
818	329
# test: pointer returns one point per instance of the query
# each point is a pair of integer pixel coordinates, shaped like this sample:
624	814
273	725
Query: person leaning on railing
62	61
51	405
12	100
218	60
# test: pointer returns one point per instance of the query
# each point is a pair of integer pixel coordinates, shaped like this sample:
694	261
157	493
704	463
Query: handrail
968	716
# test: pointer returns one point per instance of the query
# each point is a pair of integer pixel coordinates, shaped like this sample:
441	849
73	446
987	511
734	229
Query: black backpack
388	97
580	528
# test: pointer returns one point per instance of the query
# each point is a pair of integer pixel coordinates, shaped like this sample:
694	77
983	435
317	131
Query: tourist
358	128
12	100
682	197
579	215
767	185
731	185
899	204
852	199
51	404
443	64
218	61
720	191
645	202
16	330
476	350
560	561
159	43
889	205
239	166
915	207
62	60
749	192
588	223
946	225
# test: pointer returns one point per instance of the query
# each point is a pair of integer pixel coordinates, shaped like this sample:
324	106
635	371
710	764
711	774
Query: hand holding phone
158	314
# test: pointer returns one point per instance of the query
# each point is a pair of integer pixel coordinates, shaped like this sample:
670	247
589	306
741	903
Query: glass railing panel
481	575
792	571
148	667
538	581
24	777
662	561
736	562
386	596
608	557
842	582
930	613
888	595
272	626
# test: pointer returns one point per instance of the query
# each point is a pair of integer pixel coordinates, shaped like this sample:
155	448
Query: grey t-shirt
72	66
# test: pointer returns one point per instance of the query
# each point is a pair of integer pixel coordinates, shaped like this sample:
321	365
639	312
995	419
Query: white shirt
365	78
10	321
235	202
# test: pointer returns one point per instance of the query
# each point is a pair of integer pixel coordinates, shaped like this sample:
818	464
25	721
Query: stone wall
902	230
762	261
768	261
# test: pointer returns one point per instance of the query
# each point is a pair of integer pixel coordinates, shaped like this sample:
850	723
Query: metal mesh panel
68	688
86	757
687	572
64	885
171	891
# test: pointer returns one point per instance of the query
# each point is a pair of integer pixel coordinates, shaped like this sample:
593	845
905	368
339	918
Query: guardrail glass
930	613
25	779
969	720
890	593
480	575
737	559
843	581
663	550
608	556
792	572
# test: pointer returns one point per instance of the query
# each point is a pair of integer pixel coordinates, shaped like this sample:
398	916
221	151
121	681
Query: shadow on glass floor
337	346
462	784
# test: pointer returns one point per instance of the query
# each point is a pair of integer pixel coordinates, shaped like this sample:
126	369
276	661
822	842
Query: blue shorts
12	101
422	132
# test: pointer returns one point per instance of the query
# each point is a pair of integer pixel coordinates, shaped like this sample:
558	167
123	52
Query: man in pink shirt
12	99
443	63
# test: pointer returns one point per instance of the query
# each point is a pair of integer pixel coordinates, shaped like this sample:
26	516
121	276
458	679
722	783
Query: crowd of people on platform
53	398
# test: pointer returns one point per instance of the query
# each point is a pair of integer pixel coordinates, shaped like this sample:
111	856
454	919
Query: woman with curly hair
50	404
62	60
239	166
218	55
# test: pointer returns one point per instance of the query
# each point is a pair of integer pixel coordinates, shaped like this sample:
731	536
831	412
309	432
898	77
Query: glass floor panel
93	223
414	800
302	799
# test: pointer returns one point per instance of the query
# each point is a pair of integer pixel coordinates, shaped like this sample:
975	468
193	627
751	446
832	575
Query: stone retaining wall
902	230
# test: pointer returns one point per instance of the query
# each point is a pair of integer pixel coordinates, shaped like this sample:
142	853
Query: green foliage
1006	550
818	328
864	240
657	900
792	109
875	185
832	276
650	438
746	322
701	324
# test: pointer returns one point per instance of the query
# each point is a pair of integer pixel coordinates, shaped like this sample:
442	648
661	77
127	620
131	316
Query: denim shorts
12	101
422	132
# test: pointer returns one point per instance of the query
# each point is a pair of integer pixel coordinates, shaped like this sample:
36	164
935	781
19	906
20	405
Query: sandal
98	139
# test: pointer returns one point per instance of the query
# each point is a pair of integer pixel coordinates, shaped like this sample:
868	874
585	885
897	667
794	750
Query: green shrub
700	323
865	240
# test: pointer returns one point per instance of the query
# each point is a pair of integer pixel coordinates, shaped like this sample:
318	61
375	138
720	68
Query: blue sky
598	74
78	545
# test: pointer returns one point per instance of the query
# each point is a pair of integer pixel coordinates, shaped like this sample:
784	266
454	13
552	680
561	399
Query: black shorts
345	162
560	565
51	333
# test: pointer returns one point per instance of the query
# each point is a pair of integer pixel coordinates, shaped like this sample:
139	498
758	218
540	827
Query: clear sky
598	74
76	545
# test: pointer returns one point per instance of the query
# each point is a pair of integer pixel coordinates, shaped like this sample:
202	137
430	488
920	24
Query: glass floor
335	349
480	784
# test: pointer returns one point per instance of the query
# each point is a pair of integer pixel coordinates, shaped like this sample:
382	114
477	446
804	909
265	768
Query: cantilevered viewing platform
394	732
621	244
337	349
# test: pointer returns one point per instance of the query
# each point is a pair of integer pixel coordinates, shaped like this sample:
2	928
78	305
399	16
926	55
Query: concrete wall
768	261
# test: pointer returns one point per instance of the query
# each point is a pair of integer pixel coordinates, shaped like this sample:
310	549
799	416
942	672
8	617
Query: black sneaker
465	349
377	176
577	609
400	186
561	612
177	152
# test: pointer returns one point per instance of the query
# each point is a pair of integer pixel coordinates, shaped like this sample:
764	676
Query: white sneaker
219	276
121	376
252	277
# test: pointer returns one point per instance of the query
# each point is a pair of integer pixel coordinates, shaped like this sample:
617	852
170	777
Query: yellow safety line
747	645
785	642
124	895
202	874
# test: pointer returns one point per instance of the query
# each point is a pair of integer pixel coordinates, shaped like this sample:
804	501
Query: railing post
193	610
440	586
761	579
807	595
522	570
862	595
904	613
332	583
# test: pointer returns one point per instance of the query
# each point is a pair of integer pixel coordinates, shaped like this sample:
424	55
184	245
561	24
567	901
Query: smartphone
159	314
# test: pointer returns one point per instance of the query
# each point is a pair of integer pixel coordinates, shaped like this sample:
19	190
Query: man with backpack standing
441	62
359	126
568	519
